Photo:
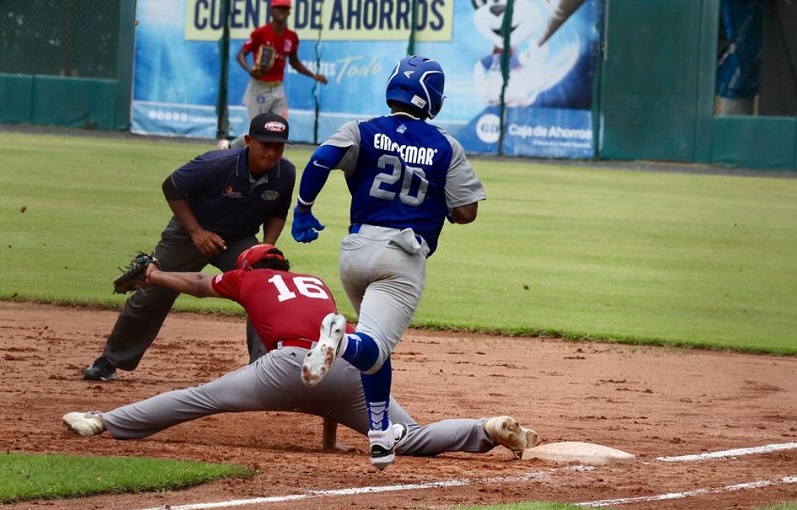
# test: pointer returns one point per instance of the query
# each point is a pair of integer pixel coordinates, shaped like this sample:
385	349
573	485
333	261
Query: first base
574	451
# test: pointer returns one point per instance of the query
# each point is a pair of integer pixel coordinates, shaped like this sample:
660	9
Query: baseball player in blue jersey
405	177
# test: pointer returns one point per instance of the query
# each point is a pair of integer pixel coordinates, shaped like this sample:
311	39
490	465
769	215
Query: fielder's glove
134	275
305	226
264	61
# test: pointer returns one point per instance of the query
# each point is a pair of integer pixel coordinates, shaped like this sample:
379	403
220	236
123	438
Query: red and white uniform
285	45
281	305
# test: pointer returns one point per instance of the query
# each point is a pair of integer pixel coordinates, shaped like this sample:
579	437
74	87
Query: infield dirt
647	401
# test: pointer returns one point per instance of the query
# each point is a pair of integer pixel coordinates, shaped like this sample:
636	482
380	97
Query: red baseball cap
281	3
258	252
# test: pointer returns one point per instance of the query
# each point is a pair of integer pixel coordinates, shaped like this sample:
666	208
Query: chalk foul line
738	452
353	491
688	494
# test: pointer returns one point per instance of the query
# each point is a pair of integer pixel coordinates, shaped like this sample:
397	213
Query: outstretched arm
195	284
293	58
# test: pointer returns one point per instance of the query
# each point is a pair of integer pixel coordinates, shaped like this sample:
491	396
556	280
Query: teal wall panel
755	142
74	102
706	80
124	73
16	98
649	83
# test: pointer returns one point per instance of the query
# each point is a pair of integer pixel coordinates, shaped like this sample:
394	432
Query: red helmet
256	253
281	3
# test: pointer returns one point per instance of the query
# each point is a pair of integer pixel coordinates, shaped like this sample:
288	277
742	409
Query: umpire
219	200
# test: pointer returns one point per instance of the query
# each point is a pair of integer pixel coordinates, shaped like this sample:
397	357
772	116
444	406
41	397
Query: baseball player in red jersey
265	92
288	311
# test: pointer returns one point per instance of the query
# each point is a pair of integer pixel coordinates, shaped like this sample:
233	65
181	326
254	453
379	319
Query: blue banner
356	43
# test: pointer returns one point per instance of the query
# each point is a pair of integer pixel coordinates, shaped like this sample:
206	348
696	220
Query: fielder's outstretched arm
195	284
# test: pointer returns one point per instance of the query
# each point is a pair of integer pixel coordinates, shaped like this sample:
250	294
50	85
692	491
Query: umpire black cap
269	127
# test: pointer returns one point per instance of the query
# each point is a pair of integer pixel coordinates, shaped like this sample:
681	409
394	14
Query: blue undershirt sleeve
316	172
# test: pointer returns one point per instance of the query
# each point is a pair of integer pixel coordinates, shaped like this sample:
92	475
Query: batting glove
305	226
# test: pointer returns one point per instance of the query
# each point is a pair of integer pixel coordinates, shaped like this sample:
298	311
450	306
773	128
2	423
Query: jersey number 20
396	169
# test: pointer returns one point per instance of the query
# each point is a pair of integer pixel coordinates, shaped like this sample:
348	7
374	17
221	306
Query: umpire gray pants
145	310
273	383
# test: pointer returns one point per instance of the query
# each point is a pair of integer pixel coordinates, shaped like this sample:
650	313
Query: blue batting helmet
417	81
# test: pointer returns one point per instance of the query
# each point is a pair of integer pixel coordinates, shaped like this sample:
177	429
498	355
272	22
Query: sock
361	351
376	388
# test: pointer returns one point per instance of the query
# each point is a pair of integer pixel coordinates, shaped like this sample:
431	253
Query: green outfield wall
67	63
658	81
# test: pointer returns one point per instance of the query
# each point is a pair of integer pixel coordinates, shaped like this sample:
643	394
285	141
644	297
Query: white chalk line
688	494
354	491
738	452
729	453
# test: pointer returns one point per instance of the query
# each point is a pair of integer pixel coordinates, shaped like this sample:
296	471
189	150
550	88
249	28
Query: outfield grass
559	250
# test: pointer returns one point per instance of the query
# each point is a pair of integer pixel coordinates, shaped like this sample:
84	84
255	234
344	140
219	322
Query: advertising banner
546	90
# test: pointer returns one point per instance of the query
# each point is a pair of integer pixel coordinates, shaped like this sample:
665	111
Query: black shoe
101	370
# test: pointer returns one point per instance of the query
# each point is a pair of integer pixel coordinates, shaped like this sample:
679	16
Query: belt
367	228
272	83
355	228
302	343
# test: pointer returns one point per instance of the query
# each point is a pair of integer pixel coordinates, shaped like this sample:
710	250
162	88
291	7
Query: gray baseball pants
383	271
273	383
261	97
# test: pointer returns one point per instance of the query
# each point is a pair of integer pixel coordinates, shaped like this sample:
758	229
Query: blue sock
361	351
376	388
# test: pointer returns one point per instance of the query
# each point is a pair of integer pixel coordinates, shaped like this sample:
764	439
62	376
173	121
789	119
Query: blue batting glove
305	226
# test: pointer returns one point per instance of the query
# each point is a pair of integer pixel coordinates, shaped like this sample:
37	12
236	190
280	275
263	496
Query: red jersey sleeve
228	285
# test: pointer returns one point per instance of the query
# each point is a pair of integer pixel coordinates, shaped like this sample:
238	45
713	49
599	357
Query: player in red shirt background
265	92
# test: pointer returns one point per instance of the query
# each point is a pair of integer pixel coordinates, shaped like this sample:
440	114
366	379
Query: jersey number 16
306	286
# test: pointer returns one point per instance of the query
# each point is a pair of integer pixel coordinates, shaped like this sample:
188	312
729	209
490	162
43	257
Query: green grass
38	476
558	250
791	505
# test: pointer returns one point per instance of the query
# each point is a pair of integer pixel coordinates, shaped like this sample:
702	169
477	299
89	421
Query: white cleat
383	444
84	424
319	359
506	431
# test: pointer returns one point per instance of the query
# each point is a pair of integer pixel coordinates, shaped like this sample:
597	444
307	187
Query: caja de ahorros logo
488	128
